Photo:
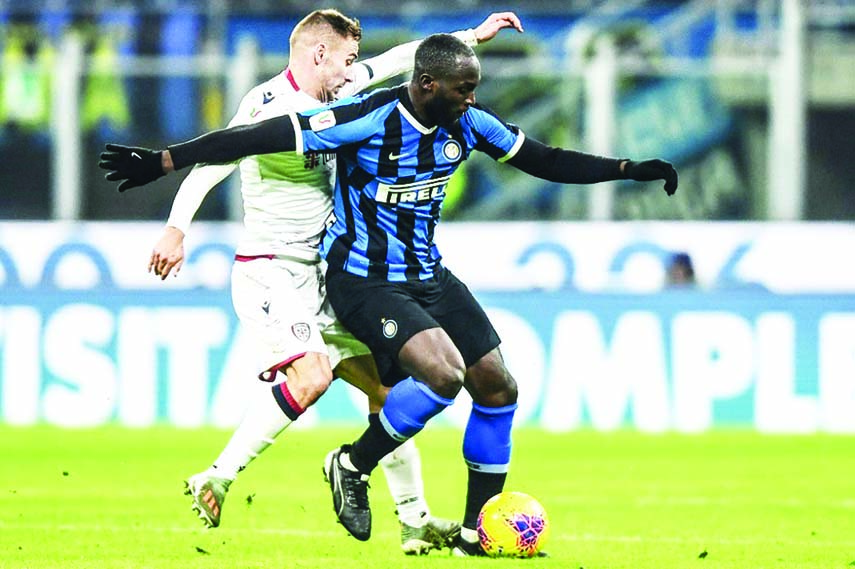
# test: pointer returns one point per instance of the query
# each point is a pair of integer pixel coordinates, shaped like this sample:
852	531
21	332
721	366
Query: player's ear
427	81
320	53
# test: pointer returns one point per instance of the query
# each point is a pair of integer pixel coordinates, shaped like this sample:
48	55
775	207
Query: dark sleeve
229	144
564	166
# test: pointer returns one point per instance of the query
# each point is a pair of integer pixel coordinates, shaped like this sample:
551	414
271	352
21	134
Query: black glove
135	165
650	170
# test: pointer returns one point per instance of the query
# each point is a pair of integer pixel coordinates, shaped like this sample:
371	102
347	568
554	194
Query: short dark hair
440	55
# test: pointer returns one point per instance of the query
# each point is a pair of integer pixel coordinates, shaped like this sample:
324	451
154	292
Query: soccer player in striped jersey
396	149
276	280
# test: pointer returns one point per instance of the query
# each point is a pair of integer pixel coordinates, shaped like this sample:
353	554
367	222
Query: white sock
261	424
403	470
469	535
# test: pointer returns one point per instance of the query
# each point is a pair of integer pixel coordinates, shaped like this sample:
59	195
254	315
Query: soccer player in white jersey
277	285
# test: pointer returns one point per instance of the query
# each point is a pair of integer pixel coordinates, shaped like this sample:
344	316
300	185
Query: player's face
336	68
454	94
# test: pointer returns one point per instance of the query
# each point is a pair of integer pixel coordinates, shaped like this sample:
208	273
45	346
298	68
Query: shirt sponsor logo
312	160
322	120
451	150
415	192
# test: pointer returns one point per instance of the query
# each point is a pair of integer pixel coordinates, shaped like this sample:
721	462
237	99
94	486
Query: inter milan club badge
451	150
390	328
302	331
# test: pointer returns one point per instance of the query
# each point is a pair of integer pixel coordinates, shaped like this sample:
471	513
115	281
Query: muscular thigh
381	314
463	319
385	315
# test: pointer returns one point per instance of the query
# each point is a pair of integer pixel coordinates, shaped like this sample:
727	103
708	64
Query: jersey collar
290	77
405	106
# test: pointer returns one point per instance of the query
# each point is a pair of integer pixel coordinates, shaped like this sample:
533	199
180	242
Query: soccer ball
512	524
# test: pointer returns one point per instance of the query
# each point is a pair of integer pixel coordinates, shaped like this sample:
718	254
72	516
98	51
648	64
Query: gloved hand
135	165
649	170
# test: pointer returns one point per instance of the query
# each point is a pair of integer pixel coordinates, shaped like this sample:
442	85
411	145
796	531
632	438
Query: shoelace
355	490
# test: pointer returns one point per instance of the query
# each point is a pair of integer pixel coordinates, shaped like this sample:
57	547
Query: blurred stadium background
752	100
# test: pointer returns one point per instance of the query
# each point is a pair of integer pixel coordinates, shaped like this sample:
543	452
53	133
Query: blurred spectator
680	272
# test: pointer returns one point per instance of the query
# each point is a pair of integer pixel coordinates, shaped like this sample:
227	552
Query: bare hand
495	22
168	253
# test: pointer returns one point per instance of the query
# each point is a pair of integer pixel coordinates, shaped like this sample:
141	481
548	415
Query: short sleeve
345	122
493	136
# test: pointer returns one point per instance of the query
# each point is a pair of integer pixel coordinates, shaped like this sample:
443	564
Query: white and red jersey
287	198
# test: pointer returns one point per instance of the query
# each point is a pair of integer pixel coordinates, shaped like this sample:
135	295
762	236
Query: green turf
111	498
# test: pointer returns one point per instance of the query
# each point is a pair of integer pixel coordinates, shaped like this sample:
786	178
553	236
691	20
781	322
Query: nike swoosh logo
135	155
393	156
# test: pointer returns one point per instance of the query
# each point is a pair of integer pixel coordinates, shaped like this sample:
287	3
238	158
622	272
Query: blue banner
684	361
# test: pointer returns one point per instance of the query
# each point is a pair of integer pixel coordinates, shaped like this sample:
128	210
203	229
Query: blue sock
487	440
487	451
409	405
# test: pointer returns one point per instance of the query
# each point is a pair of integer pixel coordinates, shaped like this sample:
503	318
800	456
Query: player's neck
305	80
416	106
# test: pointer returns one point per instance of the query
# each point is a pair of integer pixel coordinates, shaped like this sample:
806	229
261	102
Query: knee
494	387
318	382
432	358
308	379
448	378
503	393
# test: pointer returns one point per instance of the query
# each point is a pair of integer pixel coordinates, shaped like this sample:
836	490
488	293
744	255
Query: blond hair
321	23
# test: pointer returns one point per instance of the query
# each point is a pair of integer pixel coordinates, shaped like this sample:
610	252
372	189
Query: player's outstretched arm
572	167
134	166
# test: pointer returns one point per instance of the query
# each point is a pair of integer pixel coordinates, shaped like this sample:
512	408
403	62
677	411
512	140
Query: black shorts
384	315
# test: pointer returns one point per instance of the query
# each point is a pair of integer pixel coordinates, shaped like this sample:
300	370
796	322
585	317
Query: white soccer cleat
437	533
209	493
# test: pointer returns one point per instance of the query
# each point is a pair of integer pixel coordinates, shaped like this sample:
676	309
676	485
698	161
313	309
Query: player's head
445	75
326	43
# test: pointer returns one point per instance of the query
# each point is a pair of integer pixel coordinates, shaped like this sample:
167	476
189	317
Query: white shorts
282	304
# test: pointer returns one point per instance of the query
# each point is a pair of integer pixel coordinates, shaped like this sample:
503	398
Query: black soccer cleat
463	548
350	495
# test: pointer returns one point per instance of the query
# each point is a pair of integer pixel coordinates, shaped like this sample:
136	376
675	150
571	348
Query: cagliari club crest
301	331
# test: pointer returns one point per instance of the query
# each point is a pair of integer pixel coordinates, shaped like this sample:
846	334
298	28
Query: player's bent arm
399	59
391	63
230	144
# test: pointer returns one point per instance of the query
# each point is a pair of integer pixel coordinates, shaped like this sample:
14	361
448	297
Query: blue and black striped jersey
391	178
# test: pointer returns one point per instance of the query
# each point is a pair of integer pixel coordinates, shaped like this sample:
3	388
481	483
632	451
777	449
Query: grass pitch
112	498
